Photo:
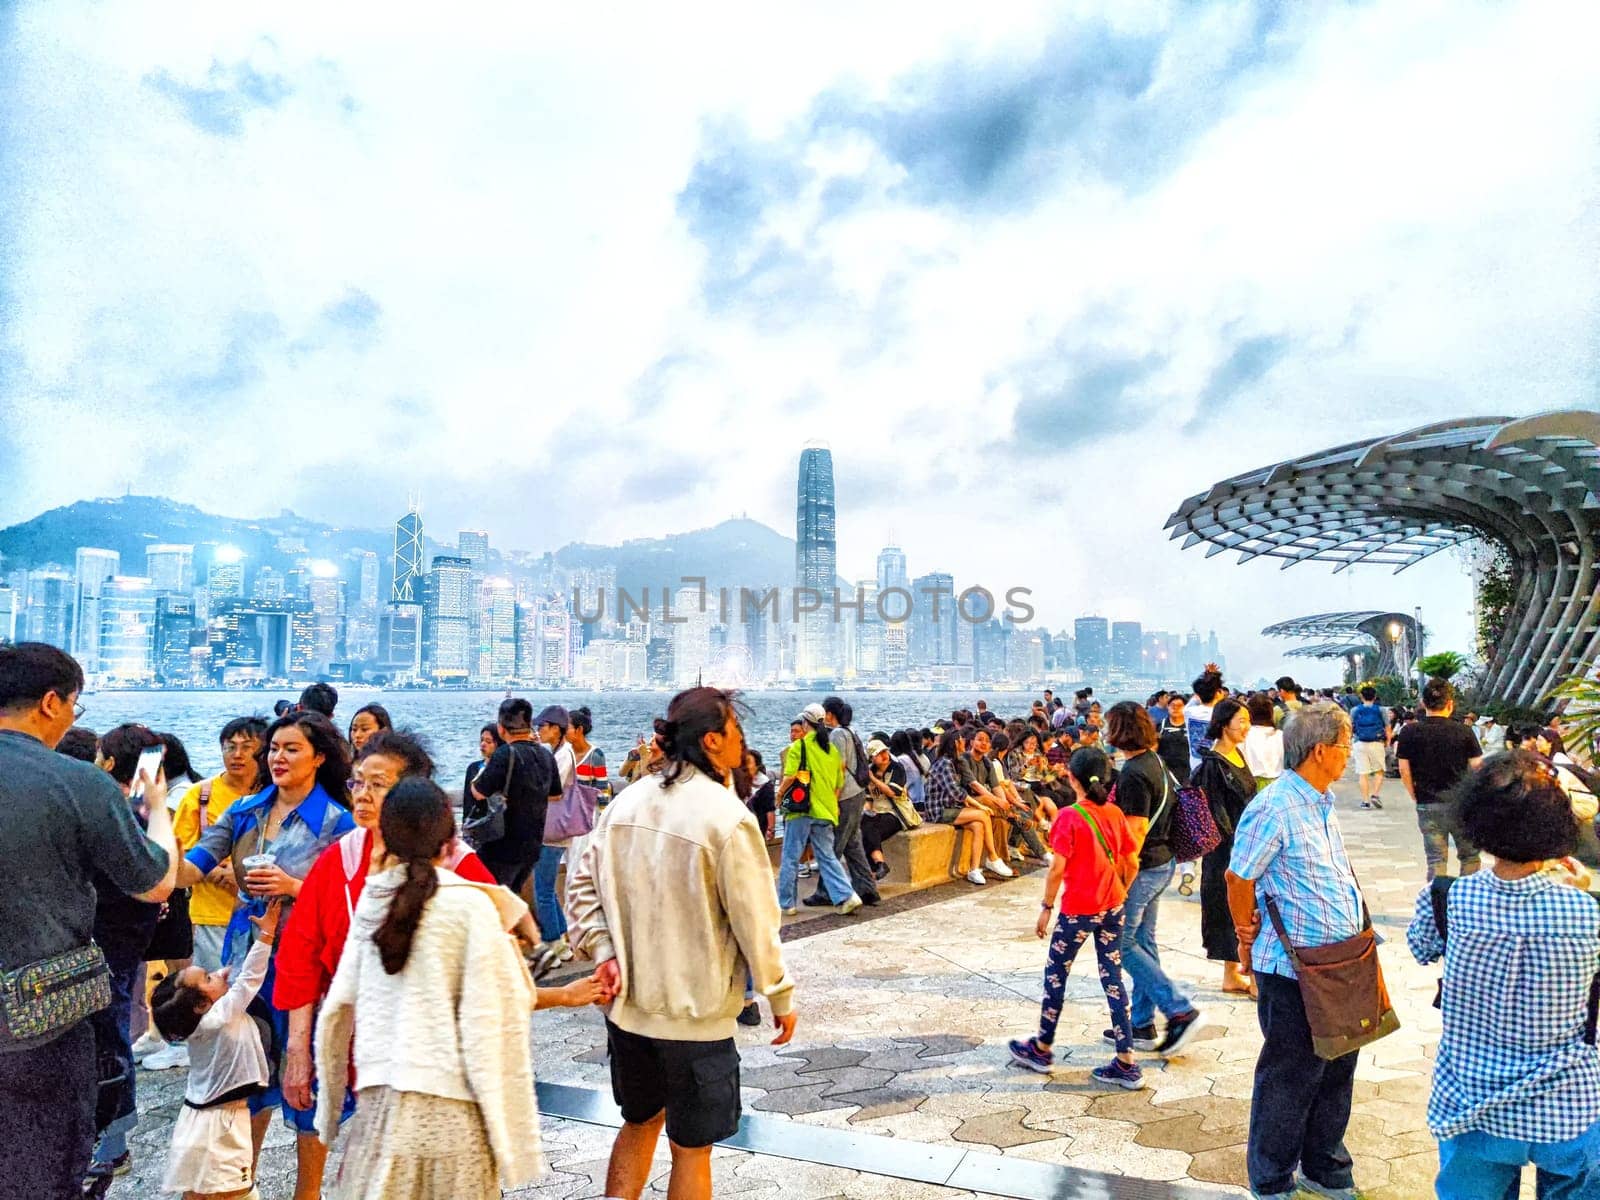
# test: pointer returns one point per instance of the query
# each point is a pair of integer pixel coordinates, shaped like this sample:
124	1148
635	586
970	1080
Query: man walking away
1288	847
852	803
1371	729
60	821
673	898
1434	754
523	771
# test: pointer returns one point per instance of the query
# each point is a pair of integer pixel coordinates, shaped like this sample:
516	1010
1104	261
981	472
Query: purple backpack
1193	833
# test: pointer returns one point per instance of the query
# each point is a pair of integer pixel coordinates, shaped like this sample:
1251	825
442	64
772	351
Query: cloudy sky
1034	279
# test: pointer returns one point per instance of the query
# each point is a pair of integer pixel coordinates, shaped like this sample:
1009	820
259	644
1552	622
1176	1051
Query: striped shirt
1518	965
1289	845
592	771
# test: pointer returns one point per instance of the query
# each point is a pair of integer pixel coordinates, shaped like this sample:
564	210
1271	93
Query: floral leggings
1071	932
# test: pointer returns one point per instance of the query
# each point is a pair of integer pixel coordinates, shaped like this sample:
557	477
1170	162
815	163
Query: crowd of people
249	927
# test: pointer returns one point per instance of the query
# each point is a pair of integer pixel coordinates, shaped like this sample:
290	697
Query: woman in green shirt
818	767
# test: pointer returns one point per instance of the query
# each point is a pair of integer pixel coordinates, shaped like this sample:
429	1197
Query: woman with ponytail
1096	855
446	1102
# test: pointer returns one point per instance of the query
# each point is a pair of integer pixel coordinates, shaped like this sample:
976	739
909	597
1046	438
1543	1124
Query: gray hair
1312	726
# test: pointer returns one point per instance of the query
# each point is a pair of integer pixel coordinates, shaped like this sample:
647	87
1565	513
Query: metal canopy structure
1366	635
1529	484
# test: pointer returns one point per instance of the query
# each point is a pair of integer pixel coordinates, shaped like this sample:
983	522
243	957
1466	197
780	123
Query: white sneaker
976	876
563	951
169	1058
791	912
995	867
1016	854
149	1043
850	905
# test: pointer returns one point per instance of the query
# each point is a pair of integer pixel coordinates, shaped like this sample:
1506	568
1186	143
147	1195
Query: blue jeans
552	921
1480	1166
1140	956
798	833
115	1053
1440	824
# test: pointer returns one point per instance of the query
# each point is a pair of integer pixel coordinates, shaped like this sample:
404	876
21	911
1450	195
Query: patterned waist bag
54	994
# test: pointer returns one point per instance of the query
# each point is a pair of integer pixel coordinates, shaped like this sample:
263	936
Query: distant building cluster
208	616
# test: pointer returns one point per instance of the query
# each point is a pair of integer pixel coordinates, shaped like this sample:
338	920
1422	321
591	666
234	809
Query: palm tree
1581	714
1442	665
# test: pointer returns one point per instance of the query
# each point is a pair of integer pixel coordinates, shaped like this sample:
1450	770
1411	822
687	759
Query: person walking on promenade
551	726
852	802
1229	786
523	771
1263	745
1288	846
673	898
212	902
1147	796
61	821
815	828
1516	1079
1435	753
1096	855
1370	726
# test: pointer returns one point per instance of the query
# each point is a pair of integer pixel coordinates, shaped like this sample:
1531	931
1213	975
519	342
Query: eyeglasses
361	785
78	710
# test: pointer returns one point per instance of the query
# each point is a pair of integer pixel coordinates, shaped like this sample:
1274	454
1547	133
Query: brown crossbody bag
1341	985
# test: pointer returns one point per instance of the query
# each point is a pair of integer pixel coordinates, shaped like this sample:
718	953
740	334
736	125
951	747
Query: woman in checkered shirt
1517	1078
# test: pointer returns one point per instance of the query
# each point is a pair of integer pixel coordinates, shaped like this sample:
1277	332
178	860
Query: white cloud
1394	201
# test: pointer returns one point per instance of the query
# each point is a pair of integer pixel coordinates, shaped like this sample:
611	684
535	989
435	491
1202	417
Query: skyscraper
816	560
361	614
447	619
48	614
8	614
94	568
1093	646
225	578
1127	647
498	617
896	627
170	567
127	608
407	587
933	620
174	636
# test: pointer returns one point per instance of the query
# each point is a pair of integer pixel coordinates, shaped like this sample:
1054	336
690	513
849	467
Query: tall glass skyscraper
1094	647
94	568
816	558
408	572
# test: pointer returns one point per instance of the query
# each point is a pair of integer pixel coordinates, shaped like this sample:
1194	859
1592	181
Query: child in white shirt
212	1155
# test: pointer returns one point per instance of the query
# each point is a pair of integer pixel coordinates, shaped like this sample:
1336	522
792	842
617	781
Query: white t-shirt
225	1049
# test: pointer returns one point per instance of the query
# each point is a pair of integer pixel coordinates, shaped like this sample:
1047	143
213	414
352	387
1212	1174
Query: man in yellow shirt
211	905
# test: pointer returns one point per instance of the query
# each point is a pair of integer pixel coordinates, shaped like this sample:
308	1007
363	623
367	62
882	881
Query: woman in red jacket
310	944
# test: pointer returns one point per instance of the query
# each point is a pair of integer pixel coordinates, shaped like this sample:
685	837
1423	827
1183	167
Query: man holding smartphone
60	820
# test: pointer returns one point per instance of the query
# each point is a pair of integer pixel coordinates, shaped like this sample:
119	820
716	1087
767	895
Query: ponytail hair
417	824
1090	767
690	716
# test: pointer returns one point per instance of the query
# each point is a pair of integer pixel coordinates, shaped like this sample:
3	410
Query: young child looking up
212	1156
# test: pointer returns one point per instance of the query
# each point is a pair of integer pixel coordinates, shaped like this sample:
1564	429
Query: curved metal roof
1529	483
1332	650
1327	625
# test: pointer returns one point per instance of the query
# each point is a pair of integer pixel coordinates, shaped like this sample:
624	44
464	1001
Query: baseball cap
875	747
552	714
813	713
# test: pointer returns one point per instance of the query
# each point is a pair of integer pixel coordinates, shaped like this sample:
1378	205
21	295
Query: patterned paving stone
1001	1129
795	1101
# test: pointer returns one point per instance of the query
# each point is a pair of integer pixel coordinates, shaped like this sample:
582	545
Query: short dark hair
123	745
176	1009
1437	693
1207	686
1129	727
79	743
1222	714
516	715
493	731
403	745
1261	711
1369	693
1287	684
30	671
1514	807
320	697
255	727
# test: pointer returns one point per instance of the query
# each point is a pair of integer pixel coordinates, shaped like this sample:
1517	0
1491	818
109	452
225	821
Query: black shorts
696	1082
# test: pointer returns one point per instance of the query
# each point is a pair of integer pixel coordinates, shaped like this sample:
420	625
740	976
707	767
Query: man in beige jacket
673	897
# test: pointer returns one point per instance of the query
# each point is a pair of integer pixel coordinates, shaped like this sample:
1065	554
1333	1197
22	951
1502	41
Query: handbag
1341	984
571	816
1193	833
489	826
910	818
796	798
54	994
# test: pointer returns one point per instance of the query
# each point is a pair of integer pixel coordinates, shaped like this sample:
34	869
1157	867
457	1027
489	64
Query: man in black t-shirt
1435	754
534	782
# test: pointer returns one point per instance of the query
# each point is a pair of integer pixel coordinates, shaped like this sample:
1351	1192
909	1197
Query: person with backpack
1147	795
1096	856
1370	727
1229	785
1517	1075
808	799
852	803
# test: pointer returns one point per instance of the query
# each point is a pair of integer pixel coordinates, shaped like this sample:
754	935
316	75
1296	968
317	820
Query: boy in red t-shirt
1096	856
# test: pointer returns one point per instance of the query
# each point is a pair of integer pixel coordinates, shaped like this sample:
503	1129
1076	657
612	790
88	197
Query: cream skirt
411	1146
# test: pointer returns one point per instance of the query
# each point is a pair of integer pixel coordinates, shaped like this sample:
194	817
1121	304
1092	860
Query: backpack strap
1095	827
205	805
1438	897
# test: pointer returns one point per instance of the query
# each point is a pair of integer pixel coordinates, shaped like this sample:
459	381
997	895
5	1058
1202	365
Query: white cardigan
453	1023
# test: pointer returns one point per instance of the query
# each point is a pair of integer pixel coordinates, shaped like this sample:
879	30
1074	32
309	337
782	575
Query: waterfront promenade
903	1022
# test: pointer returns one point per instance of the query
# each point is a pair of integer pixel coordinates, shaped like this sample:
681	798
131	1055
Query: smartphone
149	764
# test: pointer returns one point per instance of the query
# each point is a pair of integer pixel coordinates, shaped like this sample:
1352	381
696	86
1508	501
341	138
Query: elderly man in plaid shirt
1288	846
1517	1079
